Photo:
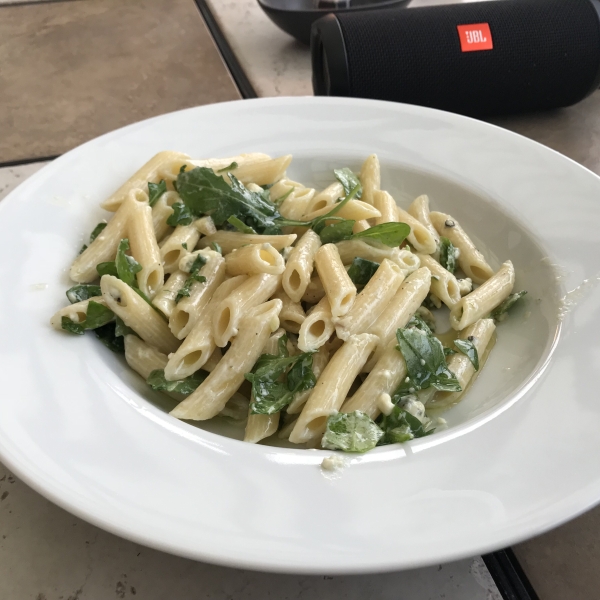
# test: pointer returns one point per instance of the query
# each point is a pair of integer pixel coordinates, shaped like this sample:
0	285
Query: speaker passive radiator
478	59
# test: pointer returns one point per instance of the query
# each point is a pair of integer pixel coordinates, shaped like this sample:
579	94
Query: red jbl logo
475	37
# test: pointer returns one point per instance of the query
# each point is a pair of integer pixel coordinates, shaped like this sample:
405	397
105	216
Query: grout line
27	161
509	576
229	58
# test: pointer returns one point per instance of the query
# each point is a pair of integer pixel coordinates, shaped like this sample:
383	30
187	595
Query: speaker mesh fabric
546	54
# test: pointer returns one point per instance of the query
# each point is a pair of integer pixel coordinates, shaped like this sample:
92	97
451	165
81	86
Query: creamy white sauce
385	404
333	463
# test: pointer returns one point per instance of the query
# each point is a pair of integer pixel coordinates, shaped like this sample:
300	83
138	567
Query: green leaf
468	349
107	268
240	225
449	352
83	249
198	263
181	215
390	234
272	388
217	248
127	266
349	180
156	380
156	190
83	291
121	330
230	167
206	193
186	288
96	231
401	426
361	270
72	327
279	201
448	255
108	336
500	312
97	315
351	432
418	322
337	232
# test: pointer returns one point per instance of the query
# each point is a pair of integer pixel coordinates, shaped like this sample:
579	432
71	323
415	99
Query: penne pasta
480	302
213	393
419	209
339	288
76	312
165	297
161	211
355	210
326	199
205	226
320	360
254	259
141	357
264	171
420	238
387	206
182	241
470	260
300	265
231	240
377	252
443	284
370	178
317	327
292	314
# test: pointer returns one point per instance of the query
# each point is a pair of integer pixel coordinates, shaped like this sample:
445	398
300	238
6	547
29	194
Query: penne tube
371	301
182	241
419	209
188	310
230	240
104	247
263	172
480	302
315	291
317	327
387	206
218	164
137	314
339	288
77	312
300	265
401	307
420	238
297	198
385	377
212	394
470	260
320	360
359	226
254	291
292	314
480	333
260	426
165	297
254	259
332	387
443	284
199	347
161	211
205	226
354	209
370	178
377	252
326	198
148	172
141	357
144	248
213	360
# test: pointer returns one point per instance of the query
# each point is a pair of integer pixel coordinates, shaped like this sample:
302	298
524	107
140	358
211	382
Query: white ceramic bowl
519	457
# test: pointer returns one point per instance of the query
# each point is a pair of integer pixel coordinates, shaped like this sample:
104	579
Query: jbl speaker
481	58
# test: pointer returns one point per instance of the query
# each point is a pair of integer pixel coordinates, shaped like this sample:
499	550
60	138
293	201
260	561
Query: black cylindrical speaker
481	58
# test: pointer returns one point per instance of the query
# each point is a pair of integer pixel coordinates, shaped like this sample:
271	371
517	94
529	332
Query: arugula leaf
83	249
336	232
401	426
121	330
83	291
156	190
72	327
361	270
156	380
206	193
349	180
240	225
449	352
390	234
425	362
180	216
217	248
271	391
97	315
186	288
198	263
448	254
107	334
107	268
279	201
230	167
468	349
96	231
418	322
127	266
500	312
351	432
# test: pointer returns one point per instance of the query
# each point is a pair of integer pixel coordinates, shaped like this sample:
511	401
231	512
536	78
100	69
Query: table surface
72	70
